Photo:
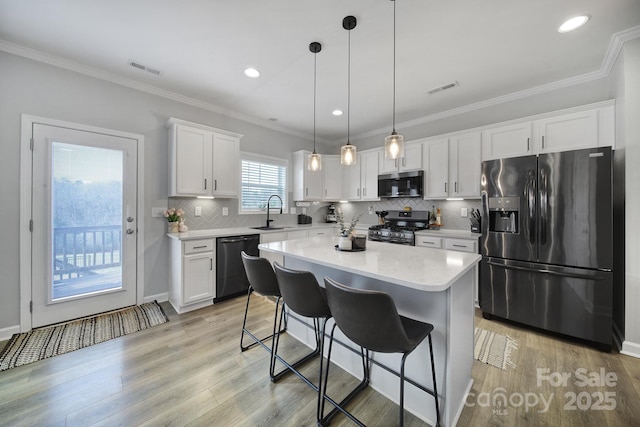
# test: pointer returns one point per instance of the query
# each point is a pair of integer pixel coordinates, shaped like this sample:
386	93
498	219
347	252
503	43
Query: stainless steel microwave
401	184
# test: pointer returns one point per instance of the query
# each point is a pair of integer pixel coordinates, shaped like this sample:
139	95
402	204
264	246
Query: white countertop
452	234
425	269
237	231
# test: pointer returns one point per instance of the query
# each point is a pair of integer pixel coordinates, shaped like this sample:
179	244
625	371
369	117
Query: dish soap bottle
438	217
432	218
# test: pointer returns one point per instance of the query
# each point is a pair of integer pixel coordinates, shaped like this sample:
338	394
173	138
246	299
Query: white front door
84	223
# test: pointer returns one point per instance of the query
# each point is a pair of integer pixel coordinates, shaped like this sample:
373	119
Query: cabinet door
351	175
369	174
297	234
437	173
568	132
197	280
307	185
507	141
465	165
332	170
412	159
226	166
387	165
191	172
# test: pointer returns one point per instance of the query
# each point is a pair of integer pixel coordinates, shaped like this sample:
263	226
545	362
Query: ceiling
492	48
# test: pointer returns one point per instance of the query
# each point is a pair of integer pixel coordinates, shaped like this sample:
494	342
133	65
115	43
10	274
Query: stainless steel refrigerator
547	242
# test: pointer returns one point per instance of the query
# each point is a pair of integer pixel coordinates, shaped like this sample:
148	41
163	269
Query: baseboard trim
164	296
6	333
630	349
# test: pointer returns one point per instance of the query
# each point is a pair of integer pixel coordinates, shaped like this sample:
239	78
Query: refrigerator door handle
530	191
544	271
544	206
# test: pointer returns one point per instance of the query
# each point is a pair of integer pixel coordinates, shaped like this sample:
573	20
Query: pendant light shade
348	151
314	162
394	143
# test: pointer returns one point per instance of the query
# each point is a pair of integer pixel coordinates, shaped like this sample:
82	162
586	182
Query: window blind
261	178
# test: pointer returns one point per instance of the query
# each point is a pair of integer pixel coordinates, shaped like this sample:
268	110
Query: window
262	177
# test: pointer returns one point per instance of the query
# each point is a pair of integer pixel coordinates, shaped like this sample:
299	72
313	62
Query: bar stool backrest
260	274
368	318
301	292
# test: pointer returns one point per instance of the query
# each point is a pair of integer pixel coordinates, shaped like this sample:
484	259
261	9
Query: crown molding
57	61
615	47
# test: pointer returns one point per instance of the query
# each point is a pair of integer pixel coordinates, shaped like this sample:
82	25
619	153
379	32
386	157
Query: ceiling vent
142	67
442	88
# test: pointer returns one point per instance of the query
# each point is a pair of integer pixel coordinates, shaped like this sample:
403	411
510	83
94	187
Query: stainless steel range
399	227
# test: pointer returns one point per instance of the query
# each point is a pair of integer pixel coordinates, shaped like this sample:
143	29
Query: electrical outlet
292	211
464	213
304	211
225	211
198	211
370	210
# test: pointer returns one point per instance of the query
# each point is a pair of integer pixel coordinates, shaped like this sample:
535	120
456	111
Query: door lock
130	231
130	219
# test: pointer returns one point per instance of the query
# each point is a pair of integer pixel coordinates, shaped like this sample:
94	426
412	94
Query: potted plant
345	242
174	216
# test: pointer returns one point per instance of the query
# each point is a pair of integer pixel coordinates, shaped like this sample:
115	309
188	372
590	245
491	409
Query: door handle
531	206
544	207
129	219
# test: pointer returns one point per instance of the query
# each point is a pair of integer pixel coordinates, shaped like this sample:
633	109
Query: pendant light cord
315	66
394	67
349	91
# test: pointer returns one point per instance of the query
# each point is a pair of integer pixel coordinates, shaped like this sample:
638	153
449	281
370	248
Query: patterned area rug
493	349
61	338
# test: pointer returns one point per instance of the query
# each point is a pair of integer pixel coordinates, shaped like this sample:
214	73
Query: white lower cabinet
452	244
192	274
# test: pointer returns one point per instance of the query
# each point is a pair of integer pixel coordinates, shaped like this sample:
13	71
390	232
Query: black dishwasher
231	279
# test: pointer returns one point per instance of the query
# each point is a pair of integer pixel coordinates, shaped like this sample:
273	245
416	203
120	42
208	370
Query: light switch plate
157	212
198	211
292	211
225	211
463	212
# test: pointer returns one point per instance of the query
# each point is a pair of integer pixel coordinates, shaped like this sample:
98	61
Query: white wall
42	90
631	129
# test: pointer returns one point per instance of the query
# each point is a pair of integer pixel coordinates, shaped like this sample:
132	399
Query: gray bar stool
263	280
304	296
370	319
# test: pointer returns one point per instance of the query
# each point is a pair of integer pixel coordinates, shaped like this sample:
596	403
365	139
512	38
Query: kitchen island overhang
428	285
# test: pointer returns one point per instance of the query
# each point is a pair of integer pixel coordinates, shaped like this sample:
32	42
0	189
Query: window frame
269	160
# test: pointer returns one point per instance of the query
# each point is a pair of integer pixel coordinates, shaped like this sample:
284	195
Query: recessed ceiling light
337	112
252	72
573	23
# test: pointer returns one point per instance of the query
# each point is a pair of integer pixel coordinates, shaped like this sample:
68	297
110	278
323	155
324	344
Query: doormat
493	349
49	341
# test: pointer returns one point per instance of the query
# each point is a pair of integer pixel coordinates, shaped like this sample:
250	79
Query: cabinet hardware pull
543	142
215	185
200	247
459	246
455	186
306	191
428	243
364	191
211	264
528	145
445	187
205	183
404	161
358	192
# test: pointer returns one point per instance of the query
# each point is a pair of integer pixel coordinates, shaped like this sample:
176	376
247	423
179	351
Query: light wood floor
190	372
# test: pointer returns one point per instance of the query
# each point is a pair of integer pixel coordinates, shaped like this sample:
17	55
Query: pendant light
314	162
348	151
394	143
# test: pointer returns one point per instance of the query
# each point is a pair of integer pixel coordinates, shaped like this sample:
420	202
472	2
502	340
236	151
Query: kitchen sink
264	227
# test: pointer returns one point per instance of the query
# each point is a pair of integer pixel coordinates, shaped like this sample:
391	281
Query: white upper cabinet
332	171
437	172
369	174
453	166
226	166
507	141
307	185
412	160
567	132
589	128
351	180
465	164
203	161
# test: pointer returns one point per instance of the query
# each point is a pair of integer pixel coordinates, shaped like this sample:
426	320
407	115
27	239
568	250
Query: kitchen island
429	285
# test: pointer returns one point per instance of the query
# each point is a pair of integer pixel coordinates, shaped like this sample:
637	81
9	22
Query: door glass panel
87	219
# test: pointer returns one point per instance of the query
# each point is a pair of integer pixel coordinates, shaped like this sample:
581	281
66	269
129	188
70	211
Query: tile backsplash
212	210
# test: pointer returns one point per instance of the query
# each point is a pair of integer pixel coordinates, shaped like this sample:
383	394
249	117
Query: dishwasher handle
236	239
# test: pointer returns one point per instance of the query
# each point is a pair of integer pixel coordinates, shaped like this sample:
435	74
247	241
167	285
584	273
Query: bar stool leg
435	387
255	339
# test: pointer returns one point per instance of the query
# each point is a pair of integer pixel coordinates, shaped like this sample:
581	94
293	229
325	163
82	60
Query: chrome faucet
268	202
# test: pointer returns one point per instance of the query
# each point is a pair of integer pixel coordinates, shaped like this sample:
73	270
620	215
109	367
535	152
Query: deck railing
79	251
